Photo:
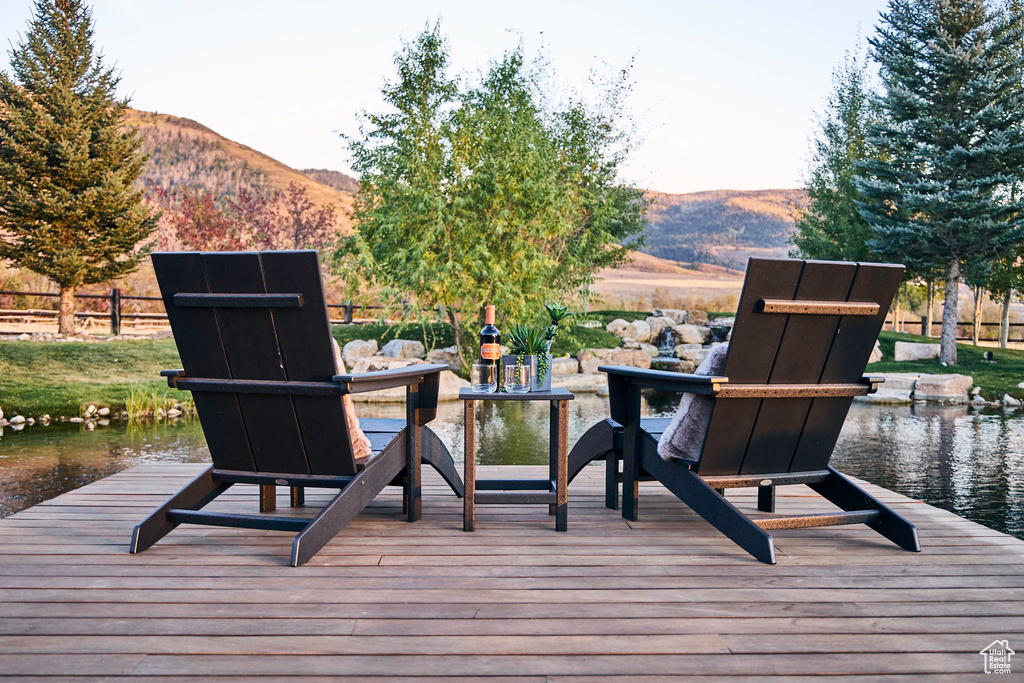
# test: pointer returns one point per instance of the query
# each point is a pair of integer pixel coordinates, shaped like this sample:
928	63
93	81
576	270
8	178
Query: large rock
914	351
657	324
580	383
949	389
448	356
672	365
693	355
564	366
448	390
356	350
638	331
590	359
876	353
691	334
698	318
403	348
680	317
617	327
650	349
897	389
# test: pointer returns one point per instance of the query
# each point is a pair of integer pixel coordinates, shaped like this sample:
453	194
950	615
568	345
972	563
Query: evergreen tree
68	207
831	227
950	142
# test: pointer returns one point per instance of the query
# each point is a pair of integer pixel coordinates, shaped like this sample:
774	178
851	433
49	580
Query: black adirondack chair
803	334
254	338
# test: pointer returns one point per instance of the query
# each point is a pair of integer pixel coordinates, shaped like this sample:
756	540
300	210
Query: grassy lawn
995	379
38	378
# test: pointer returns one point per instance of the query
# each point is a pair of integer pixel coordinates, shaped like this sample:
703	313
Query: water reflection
959	459
956	458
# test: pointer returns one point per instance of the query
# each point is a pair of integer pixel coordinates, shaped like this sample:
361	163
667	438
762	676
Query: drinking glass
484	378
517	378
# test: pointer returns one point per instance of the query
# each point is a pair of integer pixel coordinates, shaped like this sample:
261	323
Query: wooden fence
115	313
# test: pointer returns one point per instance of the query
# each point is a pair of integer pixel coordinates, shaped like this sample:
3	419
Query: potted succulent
529	345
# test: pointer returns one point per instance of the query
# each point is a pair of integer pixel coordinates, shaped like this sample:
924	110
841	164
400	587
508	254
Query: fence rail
114	312
968	325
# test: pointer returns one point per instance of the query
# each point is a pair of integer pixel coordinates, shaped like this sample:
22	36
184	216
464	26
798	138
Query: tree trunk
976	329
1004	321
929	316
458	338
896	312
66	319
947	343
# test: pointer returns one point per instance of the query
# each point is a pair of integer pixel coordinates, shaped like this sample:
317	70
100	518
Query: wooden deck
663	597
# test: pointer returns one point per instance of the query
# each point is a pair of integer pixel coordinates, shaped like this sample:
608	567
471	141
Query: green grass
995	379
60	378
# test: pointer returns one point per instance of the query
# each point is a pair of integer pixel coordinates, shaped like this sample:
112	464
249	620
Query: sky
725	92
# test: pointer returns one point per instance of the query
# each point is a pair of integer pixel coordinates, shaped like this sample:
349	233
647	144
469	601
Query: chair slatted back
749	436
289	434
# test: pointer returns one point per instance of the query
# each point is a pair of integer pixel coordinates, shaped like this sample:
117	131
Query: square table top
557	394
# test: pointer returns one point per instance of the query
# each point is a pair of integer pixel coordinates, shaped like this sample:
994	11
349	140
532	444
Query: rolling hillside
722	227
184	152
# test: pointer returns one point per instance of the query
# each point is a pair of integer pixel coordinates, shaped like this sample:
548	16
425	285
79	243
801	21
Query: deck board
660	598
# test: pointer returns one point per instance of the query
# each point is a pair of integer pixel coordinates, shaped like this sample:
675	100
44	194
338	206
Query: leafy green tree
950	141
1007	277
68	206
481	195
831	227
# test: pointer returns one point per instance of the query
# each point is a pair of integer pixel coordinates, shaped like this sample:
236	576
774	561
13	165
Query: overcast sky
725	91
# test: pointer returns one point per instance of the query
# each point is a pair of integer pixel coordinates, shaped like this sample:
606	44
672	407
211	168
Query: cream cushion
361	448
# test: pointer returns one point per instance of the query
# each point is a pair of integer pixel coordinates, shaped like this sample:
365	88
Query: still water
959	459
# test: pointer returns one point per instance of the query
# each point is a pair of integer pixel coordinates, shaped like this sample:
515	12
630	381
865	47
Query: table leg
559	454
469	469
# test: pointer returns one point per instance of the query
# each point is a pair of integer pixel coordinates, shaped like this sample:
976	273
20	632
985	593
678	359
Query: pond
959	459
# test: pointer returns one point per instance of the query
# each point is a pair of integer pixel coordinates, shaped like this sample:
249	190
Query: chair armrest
661	379
386	379
873	381
172	376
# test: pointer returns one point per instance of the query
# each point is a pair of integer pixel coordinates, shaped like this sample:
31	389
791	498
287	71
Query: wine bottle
490	339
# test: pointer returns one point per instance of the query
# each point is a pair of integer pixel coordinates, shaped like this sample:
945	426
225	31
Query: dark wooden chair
803	334
254	338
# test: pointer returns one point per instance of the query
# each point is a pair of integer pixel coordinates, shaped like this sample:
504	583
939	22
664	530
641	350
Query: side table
551	491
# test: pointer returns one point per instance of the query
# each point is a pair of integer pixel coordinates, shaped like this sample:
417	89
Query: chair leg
436	454
766	498
298	496
268	497
349	502
844	494
193	496
716	510
611	480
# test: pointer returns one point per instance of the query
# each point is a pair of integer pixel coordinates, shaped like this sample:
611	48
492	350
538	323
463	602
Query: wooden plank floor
661	598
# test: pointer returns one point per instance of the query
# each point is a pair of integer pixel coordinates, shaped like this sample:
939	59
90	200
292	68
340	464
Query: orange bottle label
490	351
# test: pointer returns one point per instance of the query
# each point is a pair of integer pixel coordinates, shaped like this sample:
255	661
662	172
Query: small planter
532	362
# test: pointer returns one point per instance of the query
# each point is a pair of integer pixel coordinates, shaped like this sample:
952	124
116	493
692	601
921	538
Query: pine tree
951	140
831	227
68	207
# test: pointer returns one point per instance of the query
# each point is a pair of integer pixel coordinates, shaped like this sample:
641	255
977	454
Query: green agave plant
530	340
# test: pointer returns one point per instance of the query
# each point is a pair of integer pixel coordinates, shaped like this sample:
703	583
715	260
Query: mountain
184	152
722	227
336	179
